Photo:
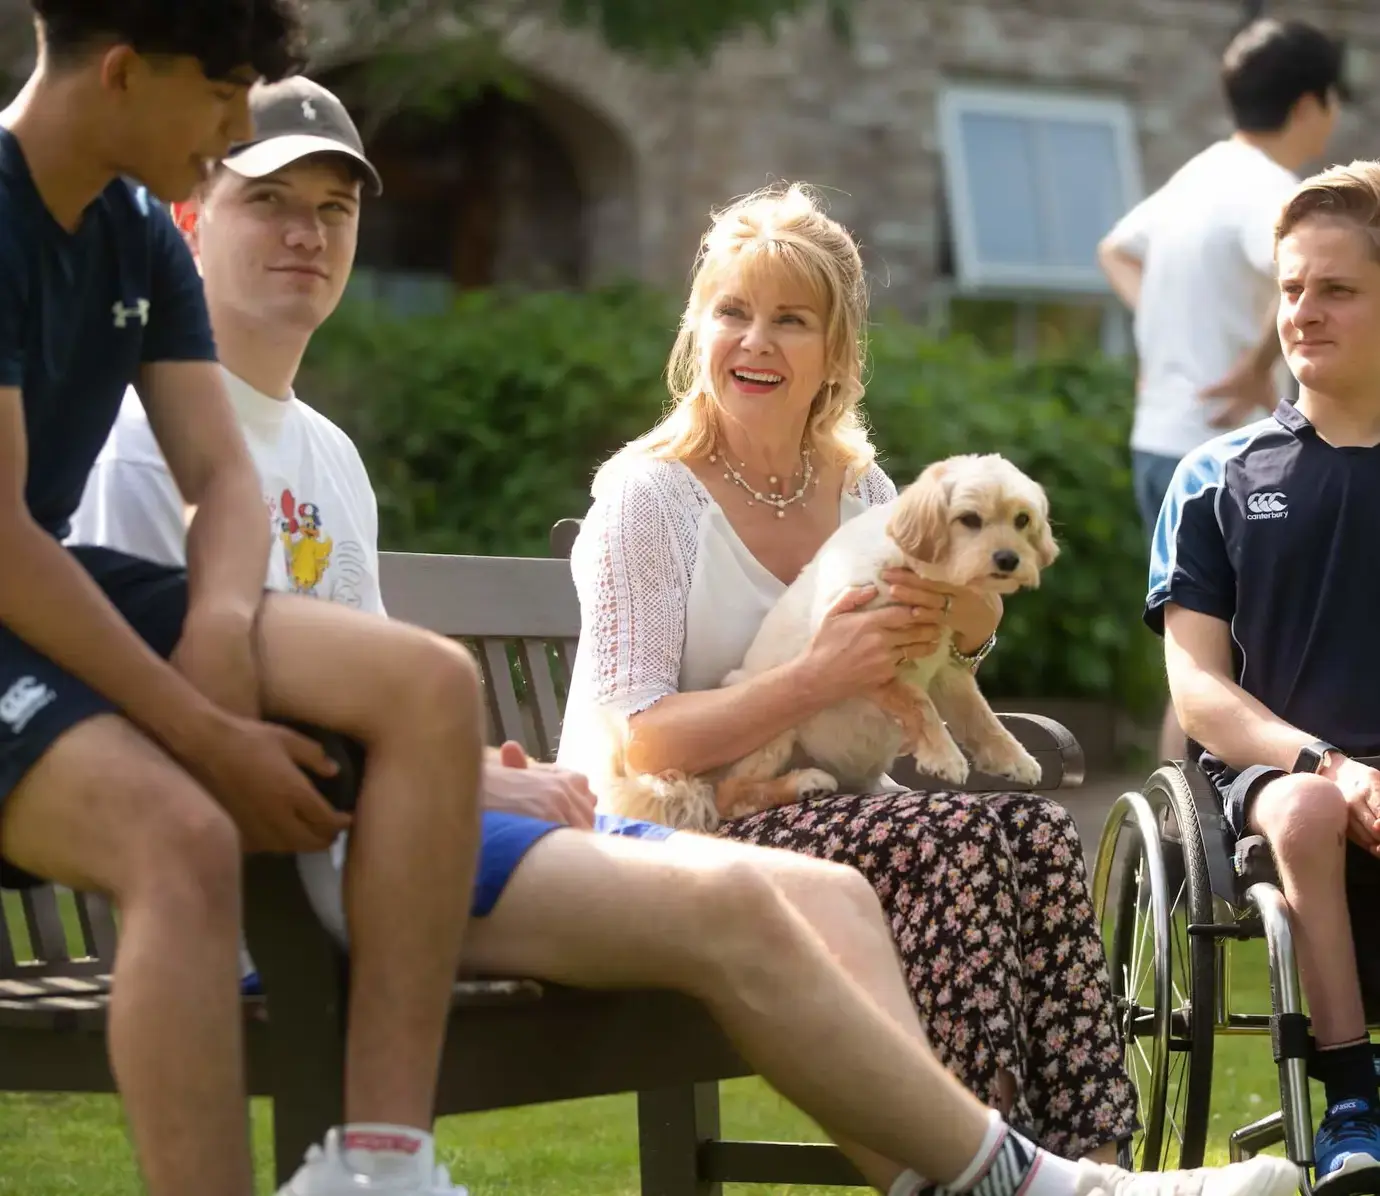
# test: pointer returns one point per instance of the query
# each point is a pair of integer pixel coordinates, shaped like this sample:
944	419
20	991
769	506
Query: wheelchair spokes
1159	975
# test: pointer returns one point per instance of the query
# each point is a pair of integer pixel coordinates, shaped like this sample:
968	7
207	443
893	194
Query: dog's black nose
1005	560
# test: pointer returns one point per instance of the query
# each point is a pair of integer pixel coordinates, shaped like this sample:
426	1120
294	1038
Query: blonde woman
696	529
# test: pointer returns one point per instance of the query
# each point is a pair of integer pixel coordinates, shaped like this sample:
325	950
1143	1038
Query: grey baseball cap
292	119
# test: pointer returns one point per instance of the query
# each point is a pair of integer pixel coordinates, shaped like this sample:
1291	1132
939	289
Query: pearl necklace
775	498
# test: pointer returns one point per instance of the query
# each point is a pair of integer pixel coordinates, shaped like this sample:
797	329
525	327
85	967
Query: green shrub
482	426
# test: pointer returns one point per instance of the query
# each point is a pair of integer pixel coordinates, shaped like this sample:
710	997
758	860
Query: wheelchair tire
1150	883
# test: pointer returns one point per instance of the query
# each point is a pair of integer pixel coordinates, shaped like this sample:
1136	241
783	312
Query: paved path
1089	805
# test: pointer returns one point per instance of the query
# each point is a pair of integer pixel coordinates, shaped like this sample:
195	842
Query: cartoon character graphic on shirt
315	564
308	548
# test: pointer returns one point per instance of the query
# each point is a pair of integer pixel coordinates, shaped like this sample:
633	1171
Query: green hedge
483	426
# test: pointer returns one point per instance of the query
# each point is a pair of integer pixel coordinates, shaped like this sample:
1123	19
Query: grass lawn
61	1145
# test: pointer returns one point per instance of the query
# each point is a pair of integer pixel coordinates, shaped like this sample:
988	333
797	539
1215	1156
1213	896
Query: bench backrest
520	618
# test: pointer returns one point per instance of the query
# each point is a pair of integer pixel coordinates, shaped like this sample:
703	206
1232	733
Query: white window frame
956	100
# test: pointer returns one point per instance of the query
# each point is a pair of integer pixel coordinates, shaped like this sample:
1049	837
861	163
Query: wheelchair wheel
1149	884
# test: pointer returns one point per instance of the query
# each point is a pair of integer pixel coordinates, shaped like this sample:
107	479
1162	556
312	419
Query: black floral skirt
987	895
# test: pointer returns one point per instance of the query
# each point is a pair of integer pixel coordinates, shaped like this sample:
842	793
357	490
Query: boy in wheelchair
1271	646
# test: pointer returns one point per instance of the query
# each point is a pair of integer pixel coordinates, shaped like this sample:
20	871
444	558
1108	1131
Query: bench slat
97	920
536	661
498	597
498	680
44	922
8	963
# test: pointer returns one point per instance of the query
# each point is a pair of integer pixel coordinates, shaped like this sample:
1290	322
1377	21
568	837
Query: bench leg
304	978
671	1124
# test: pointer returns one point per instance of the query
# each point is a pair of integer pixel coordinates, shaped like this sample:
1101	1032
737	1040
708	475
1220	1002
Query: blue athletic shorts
504	840
509	837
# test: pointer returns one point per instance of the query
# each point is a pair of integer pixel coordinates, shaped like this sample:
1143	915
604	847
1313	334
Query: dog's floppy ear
1046	548
920	521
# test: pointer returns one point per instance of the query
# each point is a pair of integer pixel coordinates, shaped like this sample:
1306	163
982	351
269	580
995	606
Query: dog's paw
945	763
814	782
1012	762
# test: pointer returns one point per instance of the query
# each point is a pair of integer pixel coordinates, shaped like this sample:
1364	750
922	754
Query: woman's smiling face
763	345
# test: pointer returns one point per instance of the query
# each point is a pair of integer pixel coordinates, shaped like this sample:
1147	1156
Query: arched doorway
488	196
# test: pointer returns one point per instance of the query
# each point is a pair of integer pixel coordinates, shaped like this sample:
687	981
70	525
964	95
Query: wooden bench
511	1041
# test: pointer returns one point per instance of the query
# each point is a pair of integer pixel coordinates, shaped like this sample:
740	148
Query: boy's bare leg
105	810
1305	819
412	698
704	916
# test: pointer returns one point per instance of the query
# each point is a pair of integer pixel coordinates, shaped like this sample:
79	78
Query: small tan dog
973	521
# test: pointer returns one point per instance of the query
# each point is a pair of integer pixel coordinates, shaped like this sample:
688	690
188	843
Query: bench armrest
1050	742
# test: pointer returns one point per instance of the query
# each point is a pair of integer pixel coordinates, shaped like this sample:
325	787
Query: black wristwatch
1312	757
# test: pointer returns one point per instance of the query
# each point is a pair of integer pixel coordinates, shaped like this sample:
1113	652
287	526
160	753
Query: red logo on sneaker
380	1142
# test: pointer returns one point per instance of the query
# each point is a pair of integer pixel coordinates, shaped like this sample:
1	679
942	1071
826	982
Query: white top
319	503
1207	242
670	597
320	507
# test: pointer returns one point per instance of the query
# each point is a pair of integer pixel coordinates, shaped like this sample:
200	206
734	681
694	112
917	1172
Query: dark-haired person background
1195	261
136	753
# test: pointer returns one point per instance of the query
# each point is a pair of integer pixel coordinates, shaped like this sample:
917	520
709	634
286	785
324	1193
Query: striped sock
1009	1165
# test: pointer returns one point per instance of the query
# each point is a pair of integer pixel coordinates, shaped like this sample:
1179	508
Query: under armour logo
307	110
123	313
25	698
1267	504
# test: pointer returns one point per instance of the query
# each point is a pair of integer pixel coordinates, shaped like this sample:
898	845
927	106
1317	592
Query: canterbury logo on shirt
1267	504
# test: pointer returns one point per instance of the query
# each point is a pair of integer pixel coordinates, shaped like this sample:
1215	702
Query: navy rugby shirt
79	313
1271	529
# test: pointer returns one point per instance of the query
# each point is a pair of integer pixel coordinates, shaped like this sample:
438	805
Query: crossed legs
790	954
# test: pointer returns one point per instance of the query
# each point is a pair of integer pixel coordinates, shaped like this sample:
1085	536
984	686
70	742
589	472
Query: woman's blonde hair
1347	193
775	229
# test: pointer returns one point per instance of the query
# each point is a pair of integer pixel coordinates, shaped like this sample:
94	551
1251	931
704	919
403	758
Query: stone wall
860	121
655	150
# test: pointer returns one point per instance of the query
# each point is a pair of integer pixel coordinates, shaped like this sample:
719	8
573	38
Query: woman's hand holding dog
971	614
854	651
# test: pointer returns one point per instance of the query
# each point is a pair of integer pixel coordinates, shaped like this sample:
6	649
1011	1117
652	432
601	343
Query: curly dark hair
223	35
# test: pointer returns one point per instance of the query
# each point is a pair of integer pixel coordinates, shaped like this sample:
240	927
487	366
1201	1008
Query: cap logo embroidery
307	110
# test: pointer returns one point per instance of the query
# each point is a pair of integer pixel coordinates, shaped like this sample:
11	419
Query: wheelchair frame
1172	892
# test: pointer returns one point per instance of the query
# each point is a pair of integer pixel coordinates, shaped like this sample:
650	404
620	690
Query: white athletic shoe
1260	1176
328	1172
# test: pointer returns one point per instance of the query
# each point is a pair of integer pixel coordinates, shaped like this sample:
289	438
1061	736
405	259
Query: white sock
1006	1164
382	1151
907	1184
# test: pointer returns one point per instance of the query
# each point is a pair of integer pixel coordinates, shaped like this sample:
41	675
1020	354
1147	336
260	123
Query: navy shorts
1361	874
1236	790
40	701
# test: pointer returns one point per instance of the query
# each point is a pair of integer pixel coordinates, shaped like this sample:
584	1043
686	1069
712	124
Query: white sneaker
328	1172
1260	1176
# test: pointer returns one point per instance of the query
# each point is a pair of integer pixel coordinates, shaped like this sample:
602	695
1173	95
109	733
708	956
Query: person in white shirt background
825	1014
1195	261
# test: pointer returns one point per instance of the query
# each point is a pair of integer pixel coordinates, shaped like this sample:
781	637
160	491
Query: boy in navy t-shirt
136	755
1271	638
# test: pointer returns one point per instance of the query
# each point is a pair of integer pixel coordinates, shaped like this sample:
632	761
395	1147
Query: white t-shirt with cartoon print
319	503
320	507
